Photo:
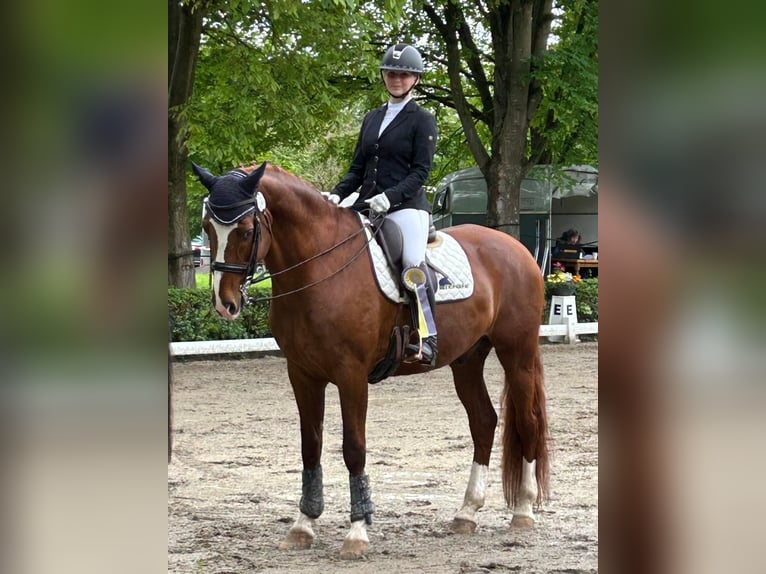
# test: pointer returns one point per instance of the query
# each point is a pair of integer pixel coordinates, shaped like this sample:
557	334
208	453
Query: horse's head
232	218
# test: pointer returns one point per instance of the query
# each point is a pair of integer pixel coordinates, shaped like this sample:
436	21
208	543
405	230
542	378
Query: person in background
569	239
391	163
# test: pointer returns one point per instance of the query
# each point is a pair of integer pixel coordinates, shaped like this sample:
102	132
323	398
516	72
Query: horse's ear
207	178
250	183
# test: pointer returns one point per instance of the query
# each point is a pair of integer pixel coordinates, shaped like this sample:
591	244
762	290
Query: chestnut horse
333	325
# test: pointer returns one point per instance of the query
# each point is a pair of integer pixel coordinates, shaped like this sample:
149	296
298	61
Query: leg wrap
312	501
361	503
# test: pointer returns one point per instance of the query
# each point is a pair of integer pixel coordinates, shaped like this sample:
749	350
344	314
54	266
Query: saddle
389	238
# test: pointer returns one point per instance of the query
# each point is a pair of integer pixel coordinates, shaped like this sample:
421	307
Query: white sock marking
528	494
358	531
304	524
475	492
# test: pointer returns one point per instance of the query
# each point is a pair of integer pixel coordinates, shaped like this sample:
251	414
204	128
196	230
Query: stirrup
425	353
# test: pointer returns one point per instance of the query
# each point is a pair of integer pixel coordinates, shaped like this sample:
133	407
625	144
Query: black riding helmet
403	58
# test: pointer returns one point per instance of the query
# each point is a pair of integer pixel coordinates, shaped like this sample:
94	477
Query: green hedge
193	317
586	298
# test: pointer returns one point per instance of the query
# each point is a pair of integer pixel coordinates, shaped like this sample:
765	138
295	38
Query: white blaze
222	233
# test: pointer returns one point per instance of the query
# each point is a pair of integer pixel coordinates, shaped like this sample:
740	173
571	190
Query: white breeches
414	226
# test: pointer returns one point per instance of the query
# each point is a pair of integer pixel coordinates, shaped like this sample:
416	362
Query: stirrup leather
414	279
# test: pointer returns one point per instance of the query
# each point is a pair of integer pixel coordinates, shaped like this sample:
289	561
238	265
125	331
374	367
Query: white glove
379	203
334	198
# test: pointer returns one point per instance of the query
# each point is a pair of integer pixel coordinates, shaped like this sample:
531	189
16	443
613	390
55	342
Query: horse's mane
281	174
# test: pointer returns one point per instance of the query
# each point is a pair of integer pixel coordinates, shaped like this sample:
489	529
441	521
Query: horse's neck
303	226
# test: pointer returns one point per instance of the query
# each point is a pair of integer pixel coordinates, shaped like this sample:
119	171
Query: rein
257	203
263	276
249	268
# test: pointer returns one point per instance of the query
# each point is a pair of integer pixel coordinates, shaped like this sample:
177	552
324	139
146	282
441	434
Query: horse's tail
525	432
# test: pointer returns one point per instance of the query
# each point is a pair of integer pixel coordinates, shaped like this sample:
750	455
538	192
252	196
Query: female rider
391	162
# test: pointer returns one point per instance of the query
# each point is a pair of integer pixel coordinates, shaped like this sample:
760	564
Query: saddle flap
391	241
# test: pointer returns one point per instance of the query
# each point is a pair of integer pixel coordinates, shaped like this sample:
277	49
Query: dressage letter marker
563	311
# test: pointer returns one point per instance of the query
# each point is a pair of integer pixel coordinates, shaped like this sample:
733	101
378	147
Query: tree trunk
519	30
185	30
513	41
180	262
503	195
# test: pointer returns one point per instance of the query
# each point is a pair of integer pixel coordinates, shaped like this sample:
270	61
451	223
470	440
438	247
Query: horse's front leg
310	397
353	401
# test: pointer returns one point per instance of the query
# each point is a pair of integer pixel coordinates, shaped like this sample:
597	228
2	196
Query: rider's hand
379	203
332	197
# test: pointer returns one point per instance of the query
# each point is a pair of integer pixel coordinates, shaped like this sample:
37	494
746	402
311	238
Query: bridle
258	204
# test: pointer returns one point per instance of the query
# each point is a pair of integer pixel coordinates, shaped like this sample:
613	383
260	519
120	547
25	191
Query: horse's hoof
353	549
522	522
463	526
296	540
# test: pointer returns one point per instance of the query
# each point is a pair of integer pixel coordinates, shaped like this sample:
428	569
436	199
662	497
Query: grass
203	280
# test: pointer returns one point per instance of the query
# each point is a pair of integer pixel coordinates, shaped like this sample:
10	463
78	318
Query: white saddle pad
445	253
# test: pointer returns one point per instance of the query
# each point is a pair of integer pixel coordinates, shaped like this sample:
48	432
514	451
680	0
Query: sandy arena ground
235	478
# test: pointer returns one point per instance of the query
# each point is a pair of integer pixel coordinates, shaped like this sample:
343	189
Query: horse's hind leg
525	434
468	373
523	508
310	397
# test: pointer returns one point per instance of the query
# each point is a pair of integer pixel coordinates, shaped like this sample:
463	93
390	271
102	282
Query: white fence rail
568	331
224	347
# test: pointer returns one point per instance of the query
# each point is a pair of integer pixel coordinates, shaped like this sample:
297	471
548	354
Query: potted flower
560	282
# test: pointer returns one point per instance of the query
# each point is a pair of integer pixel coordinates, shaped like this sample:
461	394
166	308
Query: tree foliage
511	82
521	95
280	80
565	129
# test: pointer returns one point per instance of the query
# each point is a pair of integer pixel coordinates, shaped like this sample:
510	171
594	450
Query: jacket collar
409	107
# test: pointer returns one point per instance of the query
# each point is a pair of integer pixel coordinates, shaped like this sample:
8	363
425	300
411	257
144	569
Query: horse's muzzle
227	307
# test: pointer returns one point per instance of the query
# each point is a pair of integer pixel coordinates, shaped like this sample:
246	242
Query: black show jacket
397	163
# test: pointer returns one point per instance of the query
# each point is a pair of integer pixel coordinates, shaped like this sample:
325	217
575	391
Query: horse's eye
247	234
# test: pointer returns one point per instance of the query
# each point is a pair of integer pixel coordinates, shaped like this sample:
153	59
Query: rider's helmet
403	58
